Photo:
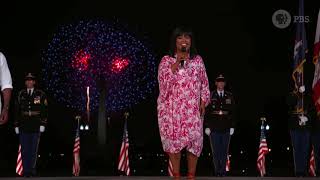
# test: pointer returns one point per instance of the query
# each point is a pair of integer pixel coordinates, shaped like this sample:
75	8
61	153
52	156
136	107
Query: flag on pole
170	168
263	150
299	57
76	154
312	164
123	165
316	57
19	167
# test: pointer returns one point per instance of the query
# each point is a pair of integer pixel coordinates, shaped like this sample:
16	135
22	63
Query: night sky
236	38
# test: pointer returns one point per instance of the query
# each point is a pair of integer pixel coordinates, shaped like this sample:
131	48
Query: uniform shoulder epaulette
20	92
228	93
40	91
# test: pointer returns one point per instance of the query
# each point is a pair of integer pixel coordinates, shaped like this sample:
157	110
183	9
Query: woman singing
184	93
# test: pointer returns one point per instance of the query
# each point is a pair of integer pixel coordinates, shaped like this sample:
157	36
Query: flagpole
302	94
302	69
78	122
126	115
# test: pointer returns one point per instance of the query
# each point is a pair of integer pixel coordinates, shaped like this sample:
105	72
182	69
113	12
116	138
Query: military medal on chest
36	100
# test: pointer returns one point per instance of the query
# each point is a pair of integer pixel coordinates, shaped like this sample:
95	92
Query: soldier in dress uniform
31	119
301	112
219	123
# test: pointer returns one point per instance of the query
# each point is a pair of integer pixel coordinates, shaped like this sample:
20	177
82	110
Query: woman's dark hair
179	31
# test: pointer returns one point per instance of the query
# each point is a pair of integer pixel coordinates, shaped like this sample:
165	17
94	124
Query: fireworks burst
83	53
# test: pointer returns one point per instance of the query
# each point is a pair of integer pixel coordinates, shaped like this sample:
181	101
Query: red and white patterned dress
179	118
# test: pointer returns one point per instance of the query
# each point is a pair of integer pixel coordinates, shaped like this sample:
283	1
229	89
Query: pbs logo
301	19
282	19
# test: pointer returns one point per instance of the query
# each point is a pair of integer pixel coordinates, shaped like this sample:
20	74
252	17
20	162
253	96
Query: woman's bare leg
175	160
192	165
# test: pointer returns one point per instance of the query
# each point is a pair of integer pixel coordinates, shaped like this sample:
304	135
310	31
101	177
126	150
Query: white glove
16	129
302	89
303	118
42	129
207	131
231	131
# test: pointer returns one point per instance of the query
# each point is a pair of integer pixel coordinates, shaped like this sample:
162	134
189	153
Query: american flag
123	165
312	164
76	154
299	57
19	167
316	57
263	150
170	168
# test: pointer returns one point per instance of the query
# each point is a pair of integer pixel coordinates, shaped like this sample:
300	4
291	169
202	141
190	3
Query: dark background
236	38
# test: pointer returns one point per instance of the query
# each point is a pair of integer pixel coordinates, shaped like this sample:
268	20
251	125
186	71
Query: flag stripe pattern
19	167
123	165
76	154
312	164
170	168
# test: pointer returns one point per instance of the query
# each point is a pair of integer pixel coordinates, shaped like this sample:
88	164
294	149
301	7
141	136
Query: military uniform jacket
220	112
31	111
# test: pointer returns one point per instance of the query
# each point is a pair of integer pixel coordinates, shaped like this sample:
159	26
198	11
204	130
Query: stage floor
149	177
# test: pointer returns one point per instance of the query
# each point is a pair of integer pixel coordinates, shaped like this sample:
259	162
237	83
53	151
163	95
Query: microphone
183	49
